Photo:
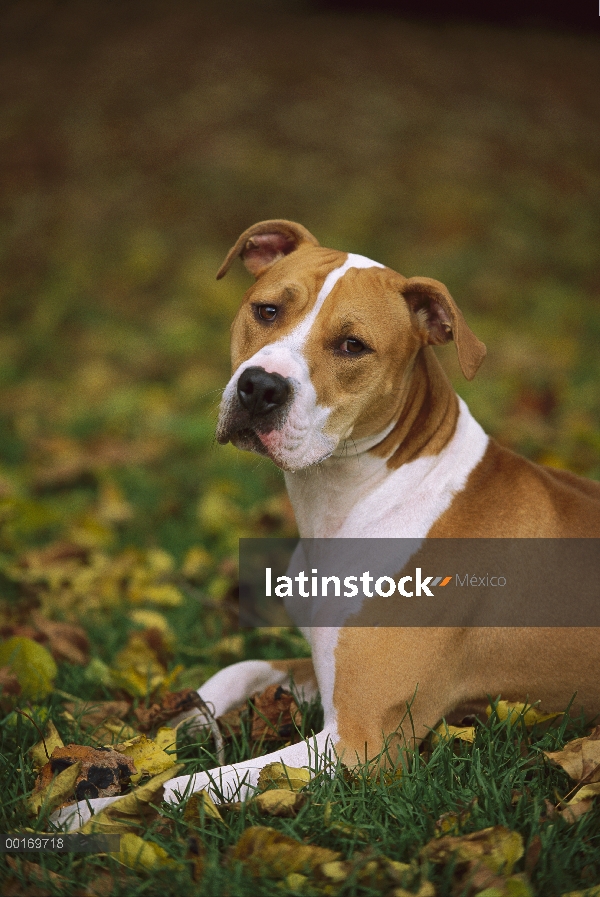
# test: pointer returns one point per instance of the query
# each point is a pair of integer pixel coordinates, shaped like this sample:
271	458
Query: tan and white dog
336	381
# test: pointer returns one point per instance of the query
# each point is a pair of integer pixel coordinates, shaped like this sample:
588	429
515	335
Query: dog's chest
359	497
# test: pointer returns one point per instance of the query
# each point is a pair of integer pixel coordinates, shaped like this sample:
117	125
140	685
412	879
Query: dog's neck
329	495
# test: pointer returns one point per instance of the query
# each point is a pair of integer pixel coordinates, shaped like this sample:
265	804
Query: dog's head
324	343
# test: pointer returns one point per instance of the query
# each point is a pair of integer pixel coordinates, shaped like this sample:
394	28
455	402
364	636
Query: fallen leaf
32	664
282	776
444	732
580	758
102	773
66	641
496	847
171	705
143	856
92	714
137	669
55	792
279	802
227	649
163	594
201	806
41	752
265	851
149	759
514	710
580	803
275	715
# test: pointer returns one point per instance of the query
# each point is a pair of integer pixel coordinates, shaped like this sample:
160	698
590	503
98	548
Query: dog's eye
266	312
352	346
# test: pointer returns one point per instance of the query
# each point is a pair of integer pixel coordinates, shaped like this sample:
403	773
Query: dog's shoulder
508	496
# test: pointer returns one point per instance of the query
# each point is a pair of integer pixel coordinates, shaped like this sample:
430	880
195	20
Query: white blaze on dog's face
321	348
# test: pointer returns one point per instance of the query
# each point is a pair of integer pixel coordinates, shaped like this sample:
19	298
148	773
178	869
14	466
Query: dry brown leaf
265	851
171	705
56	791
580	804
66	641
275	715
102	773
92	714
496	847
580	758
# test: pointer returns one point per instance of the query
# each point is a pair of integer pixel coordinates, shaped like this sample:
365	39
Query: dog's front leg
226	689
234	782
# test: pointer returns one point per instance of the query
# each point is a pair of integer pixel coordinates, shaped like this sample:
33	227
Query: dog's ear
440	320
265	243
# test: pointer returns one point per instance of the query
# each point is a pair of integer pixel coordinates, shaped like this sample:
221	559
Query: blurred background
139	140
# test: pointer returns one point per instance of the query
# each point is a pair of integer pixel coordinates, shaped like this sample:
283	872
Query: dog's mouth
248	440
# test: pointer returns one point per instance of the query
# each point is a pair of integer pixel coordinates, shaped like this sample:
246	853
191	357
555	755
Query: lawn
138	140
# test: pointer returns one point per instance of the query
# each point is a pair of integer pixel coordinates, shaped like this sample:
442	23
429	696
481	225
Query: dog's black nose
260	392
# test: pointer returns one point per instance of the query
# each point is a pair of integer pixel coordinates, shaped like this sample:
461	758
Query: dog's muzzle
259	405
261	393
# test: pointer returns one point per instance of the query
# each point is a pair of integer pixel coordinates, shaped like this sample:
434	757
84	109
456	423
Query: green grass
501	779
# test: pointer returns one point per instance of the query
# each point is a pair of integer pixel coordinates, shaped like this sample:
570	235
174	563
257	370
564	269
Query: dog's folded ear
439	320
265	243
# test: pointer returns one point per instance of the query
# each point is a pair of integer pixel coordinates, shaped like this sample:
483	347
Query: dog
335	379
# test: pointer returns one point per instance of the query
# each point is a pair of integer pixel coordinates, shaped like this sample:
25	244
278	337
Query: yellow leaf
152	619
143	855
266	851
149	759
164	594
56	793
279	802
166	740
32	664
294	881
229	648
513	709
201	803
159	561
282	776
196	563
115	726
496	847
444	732
41	752
137	669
